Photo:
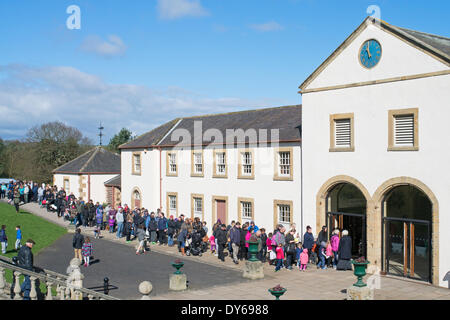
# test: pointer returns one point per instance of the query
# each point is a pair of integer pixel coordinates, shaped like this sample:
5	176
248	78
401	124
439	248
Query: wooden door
221	210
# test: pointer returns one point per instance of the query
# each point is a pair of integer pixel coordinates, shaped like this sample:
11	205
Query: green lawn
43	232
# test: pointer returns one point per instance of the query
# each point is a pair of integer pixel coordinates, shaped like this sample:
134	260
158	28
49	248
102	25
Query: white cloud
113	47
31	96
265	27
174	9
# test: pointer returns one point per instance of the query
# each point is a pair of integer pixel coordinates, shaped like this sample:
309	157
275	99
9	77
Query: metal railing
64	290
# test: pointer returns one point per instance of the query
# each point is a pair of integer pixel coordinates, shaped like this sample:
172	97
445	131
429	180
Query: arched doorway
136	199
407	232
346	208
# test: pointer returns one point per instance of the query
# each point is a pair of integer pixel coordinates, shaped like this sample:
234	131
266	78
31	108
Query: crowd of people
278	248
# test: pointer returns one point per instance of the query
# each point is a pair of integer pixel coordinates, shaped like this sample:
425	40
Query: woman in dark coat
345	252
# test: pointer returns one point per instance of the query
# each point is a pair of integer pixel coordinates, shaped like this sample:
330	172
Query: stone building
375	116
86	175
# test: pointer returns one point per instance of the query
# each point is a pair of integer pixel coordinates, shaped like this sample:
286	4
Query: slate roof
114	182
438	43
150	138
286	119
97	160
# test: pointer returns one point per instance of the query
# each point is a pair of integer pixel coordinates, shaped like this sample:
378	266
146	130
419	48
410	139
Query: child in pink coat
304	259
329	253
212	242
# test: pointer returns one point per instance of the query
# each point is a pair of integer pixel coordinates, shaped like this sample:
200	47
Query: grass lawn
43	232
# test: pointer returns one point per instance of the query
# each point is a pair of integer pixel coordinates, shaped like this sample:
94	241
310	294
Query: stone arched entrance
323	202
380	211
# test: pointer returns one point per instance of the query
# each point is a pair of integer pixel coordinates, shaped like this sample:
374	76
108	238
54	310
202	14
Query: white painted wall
98	190
371	163
147	182
263	188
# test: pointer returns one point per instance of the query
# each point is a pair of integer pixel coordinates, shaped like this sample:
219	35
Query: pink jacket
280	253
247	237
329	251
335	242
304	257
269	243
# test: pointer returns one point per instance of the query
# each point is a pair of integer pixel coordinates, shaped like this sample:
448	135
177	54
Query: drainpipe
160	179
89	187
301	194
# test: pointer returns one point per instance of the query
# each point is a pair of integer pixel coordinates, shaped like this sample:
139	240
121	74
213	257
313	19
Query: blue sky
139	63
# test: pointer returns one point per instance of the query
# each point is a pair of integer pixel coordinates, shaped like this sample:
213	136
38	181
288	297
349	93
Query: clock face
370	53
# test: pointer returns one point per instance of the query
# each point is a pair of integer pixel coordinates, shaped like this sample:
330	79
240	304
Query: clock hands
368	51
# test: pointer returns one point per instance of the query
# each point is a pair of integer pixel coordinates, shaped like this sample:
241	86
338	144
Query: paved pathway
310	285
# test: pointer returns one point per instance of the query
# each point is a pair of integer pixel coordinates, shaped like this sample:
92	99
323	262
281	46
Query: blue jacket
162	223
235	235
297	253
308	241
3	237
19	234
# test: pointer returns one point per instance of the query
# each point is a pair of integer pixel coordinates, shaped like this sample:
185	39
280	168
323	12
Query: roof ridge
90	150
242	111
90	159
425	33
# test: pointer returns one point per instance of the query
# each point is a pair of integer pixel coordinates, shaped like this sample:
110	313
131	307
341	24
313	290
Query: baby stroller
51	207
194	244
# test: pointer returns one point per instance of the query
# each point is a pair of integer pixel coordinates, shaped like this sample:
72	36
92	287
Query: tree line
46	147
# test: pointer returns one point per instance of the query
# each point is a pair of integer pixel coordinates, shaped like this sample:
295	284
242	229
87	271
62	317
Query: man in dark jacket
152	227
162	228
222	240
25	260
242	248
308	241
235	240
77	244
345	252
323	236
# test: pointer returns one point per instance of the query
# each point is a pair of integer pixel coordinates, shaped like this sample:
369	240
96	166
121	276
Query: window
342	136
246	168
283	213
66	185
220	164
136	164
403	132
246	209
171	164
172	203
197	206
283	164
197	164
341	132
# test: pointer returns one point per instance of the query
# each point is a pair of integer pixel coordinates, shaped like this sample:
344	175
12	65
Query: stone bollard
360	293
145	288
178	282
253	270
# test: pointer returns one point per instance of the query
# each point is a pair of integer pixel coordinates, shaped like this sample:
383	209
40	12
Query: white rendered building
201	166
86	175
376	149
